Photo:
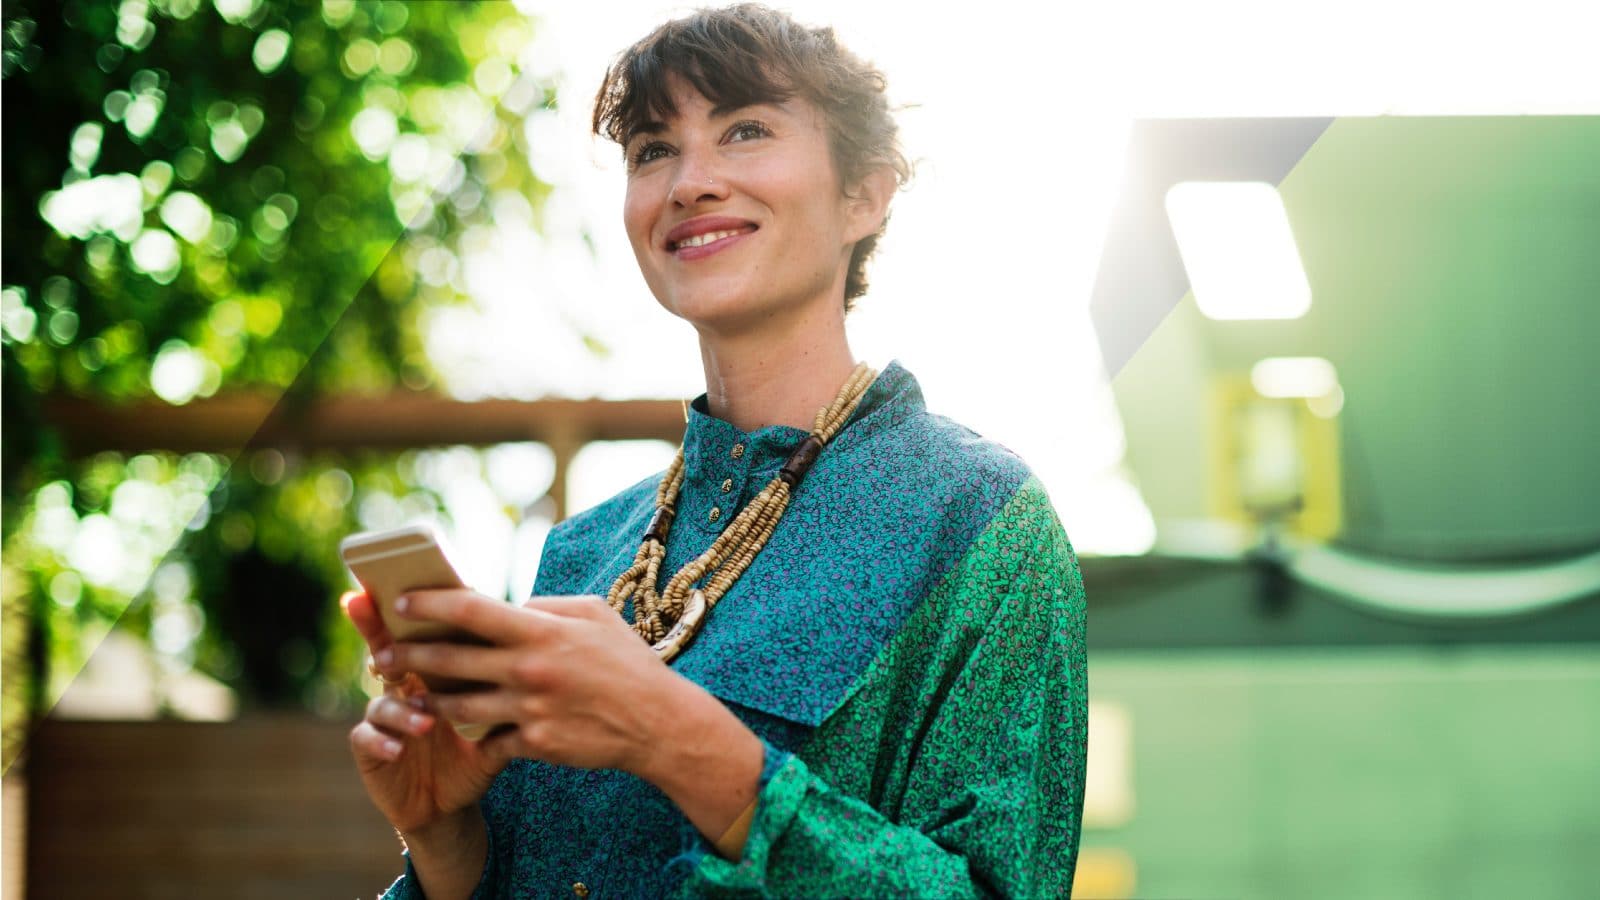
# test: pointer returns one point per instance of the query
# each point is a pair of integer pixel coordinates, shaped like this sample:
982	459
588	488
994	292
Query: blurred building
1360	660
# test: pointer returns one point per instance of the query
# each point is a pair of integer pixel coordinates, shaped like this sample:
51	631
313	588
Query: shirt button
581	889
738	450
716	513
727	485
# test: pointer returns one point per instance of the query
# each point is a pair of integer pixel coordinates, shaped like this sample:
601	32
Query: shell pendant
681	633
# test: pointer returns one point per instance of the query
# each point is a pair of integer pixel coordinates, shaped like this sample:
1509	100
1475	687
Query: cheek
637	216
814	194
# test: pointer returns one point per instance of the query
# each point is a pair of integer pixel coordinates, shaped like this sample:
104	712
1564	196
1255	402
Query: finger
368	742
396	715
392	680
382	667
585	606
465	661
483	707
409	686
363	614
487	618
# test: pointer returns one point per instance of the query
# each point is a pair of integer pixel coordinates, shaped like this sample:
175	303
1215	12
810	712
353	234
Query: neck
754	380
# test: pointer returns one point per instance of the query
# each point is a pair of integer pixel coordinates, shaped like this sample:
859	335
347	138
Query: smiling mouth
710	237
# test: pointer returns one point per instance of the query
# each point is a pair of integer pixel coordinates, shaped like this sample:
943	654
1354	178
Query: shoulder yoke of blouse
892	504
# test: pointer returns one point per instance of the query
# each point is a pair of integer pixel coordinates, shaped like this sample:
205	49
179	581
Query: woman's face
736	216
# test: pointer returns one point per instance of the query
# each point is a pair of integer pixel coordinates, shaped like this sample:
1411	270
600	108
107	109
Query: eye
749	129
649	152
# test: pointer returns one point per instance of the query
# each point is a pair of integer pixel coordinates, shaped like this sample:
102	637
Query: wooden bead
659	525
801	460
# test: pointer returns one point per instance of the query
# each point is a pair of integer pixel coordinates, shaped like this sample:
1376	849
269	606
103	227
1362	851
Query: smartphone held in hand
389	563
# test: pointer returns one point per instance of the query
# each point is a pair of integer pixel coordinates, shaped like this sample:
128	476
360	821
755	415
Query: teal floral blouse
909	647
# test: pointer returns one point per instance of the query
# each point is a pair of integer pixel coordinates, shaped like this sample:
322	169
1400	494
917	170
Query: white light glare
1282	377
1238	250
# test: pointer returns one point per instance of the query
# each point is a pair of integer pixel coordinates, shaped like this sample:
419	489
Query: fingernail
401	604
416	720
392	748
417	702
384	657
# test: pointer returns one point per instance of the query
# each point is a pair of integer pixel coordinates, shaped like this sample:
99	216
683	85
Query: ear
868	202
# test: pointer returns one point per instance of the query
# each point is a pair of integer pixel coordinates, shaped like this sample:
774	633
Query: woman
849	657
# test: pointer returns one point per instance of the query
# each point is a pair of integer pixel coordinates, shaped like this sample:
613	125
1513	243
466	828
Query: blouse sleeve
955	768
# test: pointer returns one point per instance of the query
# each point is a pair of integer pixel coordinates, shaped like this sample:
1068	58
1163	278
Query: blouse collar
710	443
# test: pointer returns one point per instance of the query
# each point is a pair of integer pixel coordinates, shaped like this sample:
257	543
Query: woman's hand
572	683
419	773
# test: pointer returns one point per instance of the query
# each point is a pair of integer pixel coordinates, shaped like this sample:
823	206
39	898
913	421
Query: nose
698	180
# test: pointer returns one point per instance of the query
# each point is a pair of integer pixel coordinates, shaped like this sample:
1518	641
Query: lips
706	231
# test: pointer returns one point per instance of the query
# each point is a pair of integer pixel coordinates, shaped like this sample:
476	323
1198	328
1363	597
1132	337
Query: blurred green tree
209	196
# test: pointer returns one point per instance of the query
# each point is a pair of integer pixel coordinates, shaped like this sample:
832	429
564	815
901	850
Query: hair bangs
729	66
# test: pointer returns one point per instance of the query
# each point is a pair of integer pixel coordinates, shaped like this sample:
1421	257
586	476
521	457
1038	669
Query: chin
720	309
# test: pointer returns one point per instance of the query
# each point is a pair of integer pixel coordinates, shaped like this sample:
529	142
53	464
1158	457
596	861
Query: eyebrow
656	126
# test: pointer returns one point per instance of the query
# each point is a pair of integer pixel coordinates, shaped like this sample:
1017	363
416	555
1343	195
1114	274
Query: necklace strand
670	618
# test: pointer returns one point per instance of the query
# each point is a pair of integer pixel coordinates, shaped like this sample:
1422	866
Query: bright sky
981	286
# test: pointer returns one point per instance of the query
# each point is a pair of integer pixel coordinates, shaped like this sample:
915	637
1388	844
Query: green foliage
195	195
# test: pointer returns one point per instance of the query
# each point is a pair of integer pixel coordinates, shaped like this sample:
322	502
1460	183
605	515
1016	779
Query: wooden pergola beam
230	422
233	422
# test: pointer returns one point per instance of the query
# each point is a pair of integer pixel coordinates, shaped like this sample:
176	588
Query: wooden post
564	441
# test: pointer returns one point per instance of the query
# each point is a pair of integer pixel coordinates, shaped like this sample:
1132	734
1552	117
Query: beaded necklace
670	619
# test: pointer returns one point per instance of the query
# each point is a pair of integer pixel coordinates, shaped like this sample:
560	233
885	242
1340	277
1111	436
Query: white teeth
700	240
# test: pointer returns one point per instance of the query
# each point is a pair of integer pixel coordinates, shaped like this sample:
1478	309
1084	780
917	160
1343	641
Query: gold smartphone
389	563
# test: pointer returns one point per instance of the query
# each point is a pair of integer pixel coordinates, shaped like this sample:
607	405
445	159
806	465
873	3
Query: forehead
678	103
686	102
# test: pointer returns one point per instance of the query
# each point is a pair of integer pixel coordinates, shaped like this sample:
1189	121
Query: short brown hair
748	54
